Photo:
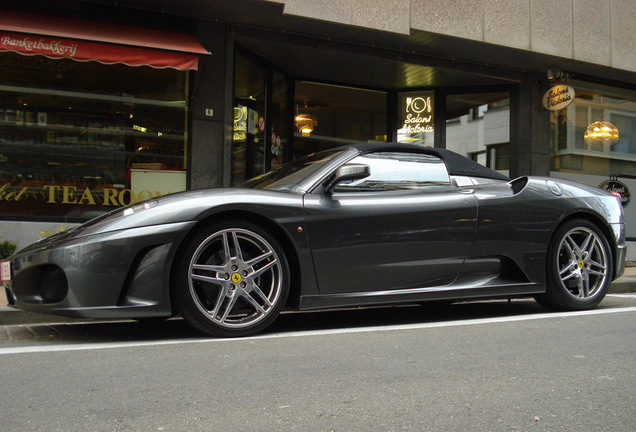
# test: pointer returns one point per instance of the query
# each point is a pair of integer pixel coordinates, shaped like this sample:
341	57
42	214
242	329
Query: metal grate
53	285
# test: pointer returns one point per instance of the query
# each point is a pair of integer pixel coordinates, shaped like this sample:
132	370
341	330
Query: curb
623	287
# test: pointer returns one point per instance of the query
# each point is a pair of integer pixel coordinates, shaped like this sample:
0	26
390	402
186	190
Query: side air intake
53	285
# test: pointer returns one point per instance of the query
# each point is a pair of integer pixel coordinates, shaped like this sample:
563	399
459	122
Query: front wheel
232	280
579	267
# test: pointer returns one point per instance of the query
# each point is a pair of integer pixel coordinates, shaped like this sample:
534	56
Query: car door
404	226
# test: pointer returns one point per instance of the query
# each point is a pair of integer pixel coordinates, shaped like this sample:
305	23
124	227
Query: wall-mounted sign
558	97
240	122
618	189
106	53
416	118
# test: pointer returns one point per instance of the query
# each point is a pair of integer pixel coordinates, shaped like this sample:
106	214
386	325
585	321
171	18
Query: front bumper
620	255
118	274
621	260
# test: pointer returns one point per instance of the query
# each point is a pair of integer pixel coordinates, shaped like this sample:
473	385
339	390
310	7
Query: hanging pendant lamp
305	122
601	133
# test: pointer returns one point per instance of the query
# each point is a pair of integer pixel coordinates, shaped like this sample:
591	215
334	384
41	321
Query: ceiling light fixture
557	76
305	122
601	133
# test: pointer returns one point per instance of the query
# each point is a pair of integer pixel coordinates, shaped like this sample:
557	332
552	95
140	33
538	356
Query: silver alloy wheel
582	263
235	278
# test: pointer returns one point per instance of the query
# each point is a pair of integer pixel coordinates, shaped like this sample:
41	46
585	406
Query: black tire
579	267
232	280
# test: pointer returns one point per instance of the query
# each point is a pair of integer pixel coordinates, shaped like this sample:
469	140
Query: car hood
179	207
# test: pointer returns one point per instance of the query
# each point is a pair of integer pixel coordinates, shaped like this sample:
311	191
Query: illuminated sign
240	122
416	118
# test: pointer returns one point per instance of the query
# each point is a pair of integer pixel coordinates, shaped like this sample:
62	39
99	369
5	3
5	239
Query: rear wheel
579	267
232	280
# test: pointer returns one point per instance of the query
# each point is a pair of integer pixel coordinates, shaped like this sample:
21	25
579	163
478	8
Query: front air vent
53	285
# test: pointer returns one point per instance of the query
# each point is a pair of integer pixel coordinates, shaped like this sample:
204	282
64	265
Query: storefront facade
273	80
93	116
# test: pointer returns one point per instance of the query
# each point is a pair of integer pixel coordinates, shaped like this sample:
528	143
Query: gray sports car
362	225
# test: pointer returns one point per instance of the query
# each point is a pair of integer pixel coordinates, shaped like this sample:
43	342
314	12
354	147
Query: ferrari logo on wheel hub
580	263
236	278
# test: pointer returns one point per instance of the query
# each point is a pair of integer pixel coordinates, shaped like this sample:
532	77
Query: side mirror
347	173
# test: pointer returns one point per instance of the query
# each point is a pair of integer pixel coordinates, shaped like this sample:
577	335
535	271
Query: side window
398	171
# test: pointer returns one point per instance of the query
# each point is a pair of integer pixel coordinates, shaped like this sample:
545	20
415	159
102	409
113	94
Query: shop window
626	125
249	154
575	152
597	157
322	116
278	126
478	126
327	116
496	156
78	139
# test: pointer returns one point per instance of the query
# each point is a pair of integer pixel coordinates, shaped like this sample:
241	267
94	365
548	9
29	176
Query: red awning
63	37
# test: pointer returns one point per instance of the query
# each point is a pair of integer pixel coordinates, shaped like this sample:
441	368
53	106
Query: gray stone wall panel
591	31
326	10
551	27
623	23
507	23
462	18
388	15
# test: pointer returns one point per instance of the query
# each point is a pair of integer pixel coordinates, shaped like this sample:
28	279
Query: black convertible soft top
455	163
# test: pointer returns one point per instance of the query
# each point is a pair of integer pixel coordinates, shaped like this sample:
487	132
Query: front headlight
140	207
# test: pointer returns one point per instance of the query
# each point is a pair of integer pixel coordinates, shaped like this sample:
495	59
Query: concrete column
530	151
211	111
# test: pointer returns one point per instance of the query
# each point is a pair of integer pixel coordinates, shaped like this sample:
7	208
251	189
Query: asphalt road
491	366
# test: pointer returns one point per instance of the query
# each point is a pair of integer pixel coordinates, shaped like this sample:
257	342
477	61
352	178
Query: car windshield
291	174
